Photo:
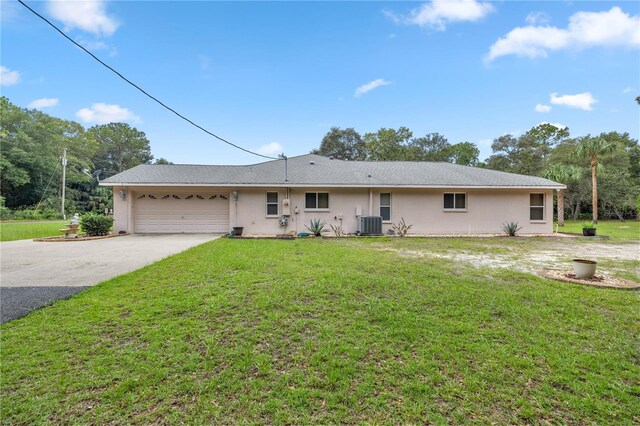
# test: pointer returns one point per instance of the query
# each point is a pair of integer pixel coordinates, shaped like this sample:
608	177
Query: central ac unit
370	225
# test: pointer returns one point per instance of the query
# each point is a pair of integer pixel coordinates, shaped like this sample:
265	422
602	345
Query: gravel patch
552	255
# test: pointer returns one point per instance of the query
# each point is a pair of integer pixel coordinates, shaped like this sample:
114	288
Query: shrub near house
94	224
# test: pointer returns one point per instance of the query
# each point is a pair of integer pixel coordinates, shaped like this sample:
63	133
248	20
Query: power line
140	88
47	187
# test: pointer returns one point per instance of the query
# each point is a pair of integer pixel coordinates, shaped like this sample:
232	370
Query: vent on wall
370	225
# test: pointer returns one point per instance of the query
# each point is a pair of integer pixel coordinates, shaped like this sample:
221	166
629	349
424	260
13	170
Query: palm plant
561	173
591	148
316	226
511	228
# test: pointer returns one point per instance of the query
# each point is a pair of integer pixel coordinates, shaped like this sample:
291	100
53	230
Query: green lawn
627	230
324	331
10	231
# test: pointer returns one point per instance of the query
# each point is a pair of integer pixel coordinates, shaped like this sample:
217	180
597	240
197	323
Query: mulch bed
598	280
80	237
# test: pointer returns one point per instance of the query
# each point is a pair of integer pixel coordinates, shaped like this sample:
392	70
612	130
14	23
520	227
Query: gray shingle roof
314	170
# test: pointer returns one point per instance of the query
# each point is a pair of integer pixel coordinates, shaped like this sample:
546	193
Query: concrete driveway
33	274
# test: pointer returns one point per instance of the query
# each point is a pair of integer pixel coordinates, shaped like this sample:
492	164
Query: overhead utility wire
140	88
47	187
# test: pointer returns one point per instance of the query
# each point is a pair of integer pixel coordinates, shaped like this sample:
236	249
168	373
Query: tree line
31	144
601	171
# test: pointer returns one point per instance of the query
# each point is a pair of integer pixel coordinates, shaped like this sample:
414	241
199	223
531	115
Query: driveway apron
34	274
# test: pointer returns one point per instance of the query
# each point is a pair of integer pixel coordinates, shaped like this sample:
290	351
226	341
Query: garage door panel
171	213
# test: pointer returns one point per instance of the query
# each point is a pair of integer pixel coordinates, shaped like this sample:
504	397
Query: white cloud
43	103
272	148
543	108
8	77
86	15
98	45
557	125
438	13
582	101
537	18
366	88
101	113
627	89
585	29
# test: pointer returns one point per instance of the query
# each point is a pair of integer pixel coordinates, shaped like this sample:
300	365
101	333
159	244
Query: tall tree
619	183
431	147
464	153
529	153
343	144
591	148
120	147
548	134
162	160
387	144
31	143
561	173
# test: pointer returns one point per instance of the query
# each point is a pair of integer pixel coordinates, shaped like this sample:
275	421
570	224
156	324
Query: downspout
370	201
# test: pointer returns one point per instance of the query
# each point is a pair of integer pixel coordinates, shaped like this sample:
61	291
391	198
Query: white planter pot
584	268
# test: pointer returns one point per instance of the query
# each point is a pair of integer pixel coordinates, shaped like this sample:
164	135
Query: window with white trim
385	206
272	204
536	207
455	201
316	201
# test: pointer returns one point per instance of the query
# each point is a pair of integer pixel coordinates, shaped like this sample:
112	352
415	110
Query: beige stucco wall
486	209
121	210
342	203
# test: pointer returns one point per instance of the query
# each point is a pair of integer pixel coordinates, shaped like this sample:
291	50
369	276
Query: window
536	206
385	206
272	204
455	201
316	201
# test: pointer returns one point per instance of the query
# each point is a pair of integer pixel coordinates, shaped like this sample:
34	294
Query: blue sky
275	76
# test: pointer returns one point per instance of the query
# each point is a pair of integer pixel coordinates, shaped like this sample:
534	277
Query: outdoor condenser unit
370	225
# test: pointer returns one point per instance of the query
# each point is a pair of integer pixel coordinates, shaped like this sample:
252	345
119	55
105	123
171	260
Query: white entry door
168	212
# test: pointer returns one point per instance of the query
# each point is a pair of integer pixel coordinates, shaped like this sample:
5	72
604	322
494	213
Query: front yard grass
11	231
324	331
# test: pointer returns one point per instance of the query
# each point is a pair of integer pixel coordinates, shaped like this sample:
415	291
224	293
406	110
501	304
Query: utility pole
64	180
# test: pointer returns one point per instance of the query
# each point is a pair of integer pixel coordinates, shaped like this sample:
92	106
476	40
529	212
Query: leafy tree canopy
120	147
343	144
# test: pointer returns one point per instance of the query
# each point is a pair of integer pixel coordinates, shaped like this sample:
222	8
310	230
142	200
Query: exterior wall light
234	194
123	195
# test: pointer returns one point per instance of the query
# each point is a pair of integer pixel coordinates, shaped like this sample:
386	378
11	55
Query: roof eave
328	185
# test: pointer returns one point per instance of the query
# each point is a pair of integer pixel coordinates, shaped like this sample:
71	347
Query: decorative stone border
83	237
599	280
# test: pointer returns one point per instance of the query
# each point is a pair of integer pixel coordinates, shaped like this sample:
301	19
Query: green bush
94	224
30	214
5	213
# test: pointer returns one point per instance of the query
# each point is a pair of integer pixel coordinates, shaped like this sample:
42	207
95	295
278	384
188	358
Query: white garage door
181	213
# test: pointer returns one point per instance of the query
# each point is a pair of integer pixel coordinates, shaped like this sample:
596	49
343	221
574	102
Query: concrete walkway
40	272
